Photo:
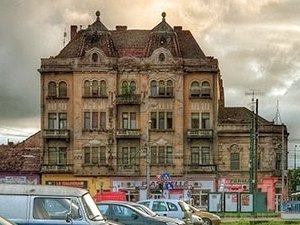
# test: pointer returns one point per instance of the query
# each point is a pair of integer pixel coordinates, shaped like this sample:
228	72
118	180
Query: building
120	107
20	163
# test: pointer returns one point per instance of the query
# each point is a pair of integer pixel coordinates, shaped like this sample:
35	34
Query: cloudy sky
257	44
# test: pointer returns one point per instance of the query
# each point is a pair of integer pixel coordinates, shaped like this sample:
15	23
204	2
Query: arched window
205	89
195	89
153	88
161	57
124	88
62	89
52	89
169	88
132	87
103	88
161	87
95	58
87	88
95	88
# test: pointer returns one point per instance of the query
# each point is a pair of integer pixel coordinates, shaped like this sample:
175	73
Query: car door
160	207
174	210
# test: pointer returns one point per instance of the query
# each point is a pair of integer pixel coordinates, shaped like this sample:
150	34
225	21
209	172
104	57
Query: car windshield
91	209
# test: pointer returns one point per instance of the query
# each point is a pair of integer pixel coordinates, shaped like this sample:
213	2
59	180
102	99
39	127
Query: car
5	221
172	208
207	217
151	213
126	214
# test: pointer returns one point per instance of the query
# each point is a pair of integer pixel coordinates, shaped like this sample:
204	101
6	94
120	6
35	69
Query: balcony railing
57	168
56	133
125	170
132	99
191	168
200	133
128	133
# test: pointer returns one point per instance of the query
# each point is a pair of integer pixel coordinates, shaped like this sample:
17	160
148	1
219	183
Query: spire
97	25
163	26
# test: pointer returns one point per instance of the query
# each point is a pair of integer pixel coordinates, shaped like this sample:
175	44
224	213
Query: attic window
161	57
95	58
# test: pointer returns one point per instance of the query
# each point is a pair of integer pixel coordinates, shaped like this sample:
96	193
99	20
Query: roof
132	43
23	189
238	115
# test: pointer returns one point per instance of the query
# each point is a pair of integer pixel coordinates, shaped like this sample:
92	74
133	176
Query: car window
146	203
159	206
172	206
121	211
55	208
103	209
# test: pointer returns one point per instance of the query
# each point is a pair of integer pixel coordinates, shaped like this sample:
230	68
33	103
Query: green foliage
294	179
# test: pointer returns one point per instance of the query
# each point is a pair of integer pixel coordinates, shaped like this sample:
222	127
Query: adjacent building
122	106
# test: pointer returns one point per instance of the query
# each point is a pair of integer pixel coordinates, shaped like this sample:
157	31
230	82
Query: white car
172	208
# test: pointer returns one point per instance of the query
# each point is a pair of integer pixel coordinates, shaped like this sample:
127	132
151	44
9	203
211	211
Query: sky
257	44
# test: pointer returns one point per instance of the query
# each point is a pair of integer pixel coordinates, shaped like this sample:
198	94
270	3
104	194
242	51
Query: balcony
132	99
191	168
200	133
128	133
57	168
56	134
128	170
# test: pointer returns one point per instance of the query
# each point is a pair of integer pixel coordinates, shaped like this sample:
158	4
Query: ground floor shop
92	184
19	178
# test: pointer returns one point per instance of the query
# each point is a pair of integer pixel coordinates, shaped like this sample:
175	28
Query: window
95	57
128	88
200	155
57	120
205	122
205	89
129	156
52	89
234	161
94	88
161	57
161	155
129	120
162	120
195	123
161	88
94	120
59	90
278	163
57	155
56	208
95	155
153	88
62	89
195	88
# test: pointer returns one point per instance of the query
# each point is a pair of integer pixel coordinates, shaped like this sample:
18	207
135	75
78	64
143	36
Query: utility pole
295	157
148	158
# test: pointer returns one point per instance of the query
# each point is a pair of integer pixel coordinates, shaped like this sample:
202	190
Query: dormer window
95	58
161	57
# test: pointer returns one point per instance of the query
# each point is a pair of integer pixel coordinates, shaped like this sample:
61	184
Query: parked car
46	204
207	217
4	221
126	214
154	214
172	208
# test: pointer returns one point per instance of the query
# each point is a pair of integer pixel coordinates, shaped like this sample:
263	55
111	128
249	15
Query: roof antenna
277	119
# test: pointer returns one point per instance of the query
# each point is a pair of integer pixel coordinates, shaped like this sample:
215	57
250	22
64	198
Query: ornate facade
115	101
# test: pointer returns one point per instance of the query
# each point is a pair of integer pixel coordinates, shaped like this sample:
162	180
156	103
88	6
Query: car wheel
206	221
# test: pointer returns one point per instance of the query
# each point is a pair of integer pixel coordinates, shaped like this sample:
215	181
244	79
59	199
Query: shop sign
69	183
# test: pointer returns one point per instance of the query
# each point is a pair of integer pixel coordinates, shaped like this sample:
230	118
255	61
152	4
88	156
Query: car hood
170	219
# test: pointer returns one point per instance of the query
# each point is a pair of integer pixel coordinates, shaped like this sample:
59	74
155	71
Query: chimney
177	28
121	28
73	31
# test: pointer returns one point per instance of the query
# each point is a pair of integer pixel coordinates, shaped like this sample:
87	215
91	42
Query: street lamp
148	154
